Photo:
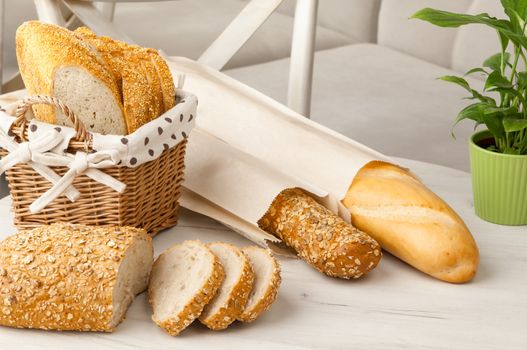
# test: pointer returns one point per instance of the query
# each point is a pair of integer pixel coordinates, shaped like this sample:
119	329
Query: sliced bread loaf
266	283
140	82
72	277
231	298
184	279
55	62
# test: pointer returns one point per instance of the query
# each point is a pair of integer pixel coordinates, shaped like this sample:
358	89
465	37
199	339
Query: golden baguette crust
320	237
238	296
177	323
268	298
62	276
41	48
411	222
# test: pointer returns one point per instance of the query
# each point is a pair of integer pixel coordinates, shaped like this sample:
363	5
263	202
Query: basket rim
88	144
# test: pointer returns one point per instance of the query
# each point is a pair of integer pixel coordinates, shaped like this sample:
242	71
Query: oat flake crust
61	276
321	238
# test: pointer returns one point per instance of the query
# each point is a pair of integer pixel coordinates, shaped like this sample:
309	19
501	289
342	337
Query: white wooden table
396	307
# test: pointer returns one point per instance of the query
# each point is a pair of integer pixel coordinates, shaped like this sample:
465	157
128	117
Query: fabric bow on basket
40	153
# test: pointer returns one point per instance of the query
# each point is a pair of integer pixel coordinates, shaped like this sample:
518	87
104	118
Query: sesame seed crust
42	47
62	276
268	298
191	311
320	237
132	66
238	297
167	81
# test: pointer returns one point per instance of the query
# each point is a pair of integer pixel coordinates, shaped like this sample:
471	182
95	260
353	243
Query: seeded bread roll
55	62
321	238
184	279
231	298
411	222
72	277
267	280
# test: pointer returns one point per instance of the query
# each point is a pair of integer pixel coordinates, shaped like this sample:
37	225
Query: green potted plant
498	154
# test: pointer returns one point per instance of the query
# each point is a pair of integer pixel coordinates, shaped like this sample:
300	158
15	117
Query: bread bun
411	222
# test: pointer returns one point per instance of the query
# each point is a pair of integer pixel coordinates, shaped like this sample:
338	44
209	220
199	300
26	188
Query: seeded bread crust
320	237
131	66
62	276
251	314
177	323
167	82
141	58
238	297
41	48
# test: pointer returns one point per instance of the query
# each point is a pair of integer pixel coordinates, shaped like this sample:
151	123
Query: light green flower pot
499	183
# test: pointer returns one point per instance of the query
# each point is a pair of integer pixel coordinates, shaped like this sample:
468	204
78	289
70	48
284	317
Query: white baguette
411	222
72	277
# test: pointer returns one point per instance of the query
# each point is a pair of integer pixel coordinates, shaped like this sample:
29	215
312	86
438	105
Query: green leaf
493	122
514	124
518	6
494	61
500	111
504	41
476	70
513	92
516	21
457	80
495	79
473	112
450	19
465	85
483	98
522	80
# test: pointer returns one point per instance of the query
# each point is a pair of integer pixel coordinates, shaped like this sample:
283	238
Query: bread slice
72	277
231	298
266	283
184	279
55	62
137	74
142	60
167	80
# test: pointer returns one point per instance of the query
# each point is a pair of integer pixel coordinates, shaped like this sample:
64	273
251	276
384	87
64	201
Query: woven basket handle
22	117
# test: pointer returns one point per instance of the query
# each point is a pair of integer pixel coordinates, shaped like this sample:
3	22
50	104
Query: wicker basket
150	199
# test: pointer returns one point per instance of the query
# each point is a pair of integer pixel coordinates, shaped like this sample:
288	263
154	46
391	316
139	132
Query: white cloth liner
47	144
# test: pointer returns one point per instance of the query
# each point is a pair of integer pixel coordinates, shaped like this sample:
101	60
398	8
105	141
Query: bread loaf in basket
113	151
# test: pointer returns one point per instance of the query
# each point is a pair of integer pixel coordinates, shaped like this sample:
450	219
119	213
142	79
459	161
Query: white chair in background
98	16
